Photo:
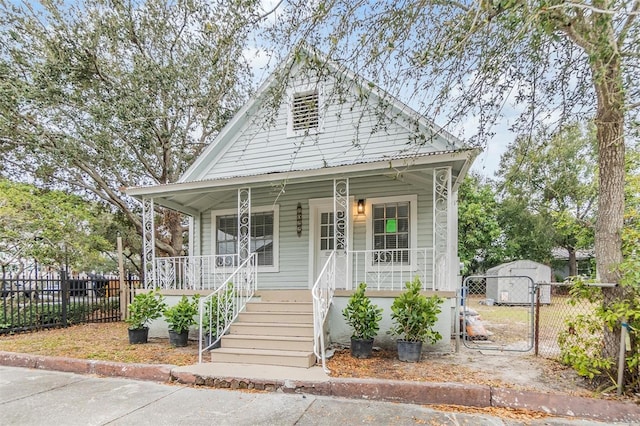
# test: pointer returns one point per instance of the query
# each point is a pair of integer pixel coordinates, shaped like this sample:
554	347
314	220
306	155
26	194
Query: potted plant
217	313
180	317
414	316
144	308
364	317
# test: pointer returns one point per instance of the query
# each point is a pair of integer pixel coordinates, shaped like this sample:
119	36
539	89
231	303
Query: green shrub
181	315
361	315
414	314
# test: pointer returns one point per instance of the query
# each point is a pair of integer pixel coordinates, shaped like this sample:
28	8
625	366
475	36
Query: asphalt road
39	397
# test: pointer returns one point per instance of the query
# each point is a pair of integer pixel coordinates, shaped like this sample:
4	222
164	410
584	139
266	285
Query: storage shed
507	289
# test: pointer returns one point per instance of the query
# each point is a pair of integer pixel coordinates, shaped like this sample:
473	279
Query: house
561	260
321	181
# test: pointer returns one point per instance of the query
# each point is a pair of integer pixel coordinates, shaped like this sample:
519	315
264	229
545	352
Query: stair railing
322	292
220	309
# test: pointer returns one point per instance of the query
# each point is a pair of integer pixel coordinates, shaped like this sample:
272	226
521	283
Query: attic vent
304	111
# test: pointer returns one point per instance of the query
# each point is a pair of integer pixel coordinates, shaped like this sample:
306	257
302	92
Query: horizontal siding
352	132
294	250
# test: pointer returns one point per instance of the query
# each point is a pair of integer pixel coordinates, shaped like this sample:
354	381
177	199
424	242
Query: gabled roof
248	147
365	132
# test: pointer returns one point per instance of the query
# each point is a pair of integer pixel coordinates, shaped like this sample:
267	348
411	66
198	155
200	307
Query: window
392	229
264	232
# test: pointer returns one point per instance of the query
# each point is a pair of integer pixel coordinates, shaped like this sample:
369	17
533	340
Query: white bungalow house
321	181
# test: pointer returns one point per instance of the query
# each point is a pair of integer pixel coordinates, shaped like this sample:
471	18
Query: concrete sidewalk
39	397
314	382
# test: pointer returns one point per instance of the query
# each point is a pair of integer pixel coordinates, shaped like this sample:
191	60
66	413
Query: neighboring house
330	182
584	259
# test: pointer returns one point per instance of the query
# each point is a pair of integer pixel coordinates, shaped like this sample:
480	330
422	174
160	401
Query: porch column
244	224
195	226
149	242
341	215
443	229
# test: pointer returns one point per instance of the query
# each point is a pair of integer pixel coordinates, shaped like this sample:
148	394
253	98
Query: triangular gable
359	123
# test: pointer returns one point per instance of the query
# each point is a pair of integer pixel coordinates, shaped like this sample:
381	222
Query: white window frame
413	228
305	89
259	209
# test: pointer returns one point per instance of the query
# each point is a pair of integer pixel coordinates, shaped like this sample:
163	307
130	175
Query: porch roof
195	196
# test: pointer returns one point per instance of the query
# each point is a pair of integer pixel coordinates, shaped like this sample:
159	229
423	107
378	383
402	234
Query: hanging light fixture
360	206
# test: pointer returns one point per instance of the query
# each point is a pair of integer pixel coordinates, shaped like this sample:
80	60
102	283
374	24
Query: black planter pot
178	340
138	335
409	351
208	339
361	348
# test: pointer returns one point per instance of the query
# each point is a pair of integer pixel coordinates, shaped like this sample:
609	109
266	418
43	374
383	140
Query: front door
322	241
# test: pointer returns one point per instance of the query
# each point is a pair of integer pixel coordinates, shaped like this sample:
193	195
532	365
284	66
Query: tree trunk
573	263
611	152
173	222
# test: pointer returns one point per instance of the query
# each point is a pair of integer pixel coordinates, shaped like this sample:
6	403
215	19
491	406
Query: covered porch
384	225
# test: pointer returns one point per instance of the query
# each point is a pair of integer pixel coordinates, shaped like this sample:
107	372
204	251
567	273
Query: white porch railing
391	269
194	272
322	293
219	309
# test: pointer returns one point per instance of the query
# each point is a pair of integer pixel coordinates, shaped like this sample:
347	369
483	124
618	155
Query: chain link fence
497	313
570	323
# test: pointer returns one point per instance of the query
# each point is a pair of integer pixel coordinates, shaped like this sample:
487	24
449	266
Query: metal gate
497	312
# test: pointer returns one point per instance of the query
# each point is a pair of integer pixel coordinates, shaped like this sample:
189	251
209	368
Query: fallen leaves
105	341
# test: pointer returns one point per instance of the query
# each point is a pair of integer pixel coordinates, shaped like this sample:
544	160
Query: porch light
299	219
360	206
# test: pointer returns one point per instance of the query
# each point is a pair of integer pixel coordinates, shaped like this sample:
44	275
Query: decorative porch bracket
341	215
149	242
442	228
244	224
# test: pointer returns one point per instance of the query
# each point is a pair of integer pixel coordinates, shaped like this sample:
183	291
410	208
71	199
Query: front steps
275	329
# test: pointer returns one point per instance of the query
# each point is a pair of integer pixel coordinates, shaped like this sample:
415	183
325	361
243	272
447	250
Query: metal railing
322	293
58	301
219	309
194	272
391	269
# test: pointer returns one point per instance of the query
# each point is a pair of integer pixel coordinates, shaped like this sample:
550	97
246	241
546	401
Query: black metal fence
31	304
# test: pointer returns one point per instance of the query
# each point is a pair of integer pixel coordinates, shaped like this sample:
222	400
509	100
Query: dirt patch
501	369
107	342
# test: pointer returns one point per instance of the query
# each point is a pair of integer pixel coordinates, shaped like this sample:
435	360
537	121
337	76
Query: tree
527	234
480	236
559	61
103	95
556	179
52	227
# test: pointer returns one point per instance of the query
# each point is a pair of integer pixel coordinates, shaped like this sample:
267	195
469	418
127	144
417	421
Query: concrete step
272	329
265	357
263	306
282	343
278	317
301	295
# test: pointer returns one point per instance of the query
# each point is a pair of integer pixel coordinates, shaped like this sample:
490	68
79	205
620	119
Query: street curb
151	372
423	393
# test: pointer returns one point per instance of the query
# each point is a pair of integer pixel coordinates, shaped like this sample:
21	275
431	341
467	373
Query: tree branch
627	25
